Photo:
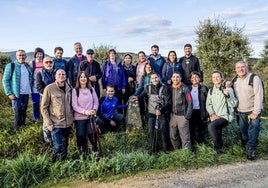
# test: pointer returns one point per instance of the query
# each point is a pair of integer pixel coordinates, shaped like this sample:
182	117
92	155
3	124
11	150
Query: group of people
170	93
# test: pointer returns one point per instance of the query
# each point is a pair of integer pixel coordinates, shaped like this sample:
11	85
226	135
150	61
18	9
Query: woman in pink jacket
85	104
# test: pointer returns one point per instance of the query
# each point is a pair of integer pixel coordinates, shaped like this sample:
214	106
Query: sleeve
232	100
75	105
140	87
164	76
95	100
259	95
189	100
44	107
99	73
167	101
40	85
7	79
103	78
209	105
70	72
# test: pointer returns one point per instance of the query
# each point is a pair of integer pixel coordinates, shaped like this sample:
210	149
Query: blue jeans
36	107
249	129
19	106
60	137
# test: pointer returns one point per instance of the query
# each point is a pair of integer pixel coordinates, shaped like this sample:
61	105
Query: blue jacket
145	80
11	82
108	75
61	64
74	68
108	106
168	69
44	78
157	64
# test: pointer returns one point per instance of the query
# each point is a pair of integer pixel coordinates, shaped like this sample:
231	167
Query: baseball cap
90	51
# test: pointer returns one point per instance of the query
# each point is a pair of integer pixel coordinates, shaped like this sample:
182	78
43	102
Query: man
43	78
182	107
92	68
156	60
198	121
74	63
249	108
17	83
159	101
113	121
57	114
189	63
59	62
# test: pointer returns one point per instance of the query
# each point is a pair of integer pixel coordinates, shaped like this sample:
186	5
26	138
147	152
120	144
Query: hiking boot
251	154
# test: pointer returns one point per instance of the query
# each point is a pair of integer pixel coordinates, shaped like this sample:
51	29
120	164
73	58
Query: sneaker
251	155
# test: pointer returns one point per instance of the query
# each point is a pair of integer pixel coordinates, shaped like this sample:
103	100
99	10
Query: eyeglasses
48	62
60	74
22	55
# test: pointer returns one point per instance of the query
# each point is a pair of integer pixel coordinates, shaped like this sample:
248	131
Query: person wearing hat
74	63
92	68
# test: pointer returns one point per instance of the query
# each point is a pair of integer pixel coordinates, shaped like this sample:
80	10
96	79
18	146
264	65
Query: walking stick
96	132
154	145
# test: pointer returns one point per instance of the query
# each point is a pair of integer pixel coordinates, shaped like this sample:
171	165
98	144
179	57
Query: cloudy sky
130	26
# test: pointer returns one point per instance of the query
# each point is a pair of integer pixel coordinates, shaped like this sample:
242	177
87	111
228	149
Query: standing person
17	83
58	114
142	60
74	63
159	101
198	121
43	78
59	62
182	107
37	65
85	104
189	63
130	74
112	120
171	65
220	103
156	60
92	69
113	74
250	97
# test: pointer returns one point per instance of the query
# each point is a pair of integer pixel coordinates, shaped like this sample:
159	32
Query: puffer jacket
56	106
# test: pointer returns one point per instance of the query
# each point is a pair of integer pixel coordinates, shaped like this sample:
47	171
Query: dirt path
249	174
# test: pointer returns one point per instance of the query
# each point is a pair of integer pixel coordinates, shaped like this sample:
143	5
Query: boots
251	154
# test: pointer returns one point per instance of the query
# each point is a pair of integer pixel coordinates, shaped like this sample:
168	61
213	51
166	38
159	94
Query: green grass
25	160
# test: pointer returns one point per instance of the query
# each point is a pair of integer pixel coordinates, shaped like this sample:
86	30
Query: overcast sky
130	26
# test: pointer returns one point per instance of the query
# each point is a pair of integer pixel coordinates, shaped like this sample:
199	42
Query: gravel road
250	174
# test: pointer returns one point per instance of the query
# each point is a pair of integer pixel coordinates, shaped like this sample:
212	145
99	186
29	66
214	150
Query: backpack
250	83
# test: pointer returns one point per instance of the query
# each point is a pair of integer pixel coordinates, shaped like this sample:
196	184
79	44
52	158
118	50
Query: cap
90	51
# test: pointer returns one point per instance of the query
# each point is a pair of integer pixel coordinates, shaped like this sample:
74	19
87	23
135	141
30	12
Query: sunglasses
48	62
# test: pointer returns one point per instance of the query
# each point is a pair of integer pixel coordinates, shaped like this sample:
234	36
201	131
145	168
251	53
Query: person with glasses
17	83
43	78
57	114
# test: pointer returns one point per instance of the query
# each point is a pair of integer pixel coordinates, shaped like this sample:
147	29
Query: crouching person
57	114
158	101
182	107
112	120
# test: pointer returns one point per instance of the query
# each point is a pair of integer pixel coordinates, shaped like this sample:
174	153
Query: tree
101	52
220	47
4	59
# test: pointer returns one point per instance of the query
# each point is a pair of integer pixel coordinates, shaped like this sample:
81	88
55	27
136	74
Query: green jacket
11	81
216	103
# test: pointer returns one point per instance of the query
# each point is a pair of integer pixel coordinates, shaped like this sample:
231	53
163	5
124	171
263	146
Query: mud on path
245	174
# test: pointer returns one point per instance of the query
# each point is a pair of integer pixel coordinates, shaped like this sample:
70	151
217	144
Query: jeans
36	106
119	120
85	129
60	137
249	129
215	131
19	106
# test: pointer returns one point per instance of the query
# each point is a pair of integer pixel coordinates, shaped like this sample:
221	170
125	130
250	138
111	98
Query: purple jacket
108	75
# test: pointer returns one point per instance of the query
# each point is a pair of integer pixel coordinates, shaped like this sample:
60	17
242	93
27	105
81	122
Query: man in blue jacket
17	82
156	60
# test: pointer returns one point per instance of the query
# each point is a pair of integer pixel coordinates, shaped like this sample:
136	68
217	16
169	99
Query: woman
113	74
142	60
171	66
220	103
130	74
85	104
37	65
